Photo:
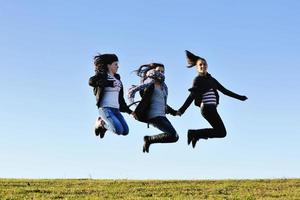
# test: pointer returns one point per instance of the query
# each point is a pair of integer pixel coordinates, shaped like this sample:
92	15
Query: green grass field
149	189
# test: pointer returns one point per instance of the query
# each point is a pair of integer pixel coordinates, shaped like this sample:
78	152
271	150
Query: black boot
146	144
99	128
194	135
160	138
190	136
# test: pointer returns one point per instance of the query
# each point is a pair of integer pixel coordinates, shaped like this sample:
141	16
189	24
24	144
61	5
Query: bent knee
125	132
223	133
119	131
175	137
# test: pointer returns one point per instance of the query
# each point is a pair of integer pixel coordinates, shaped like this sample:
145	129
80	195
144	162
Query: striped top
209	97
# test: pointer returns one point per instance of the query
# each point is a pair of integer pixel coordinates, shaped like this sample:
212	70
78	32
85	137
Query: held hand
178	113
134	115
243	98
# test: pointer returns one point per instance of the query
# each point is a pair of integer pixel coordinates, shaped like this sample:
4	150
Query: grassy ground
149	189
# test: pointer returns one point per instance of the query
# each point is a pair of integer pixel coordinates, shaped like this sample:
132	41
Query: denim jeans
163	124
114	121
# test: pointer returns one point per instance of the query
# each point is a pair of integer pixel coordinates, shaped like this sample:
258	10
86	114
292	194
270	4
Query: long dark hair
102	60
143	69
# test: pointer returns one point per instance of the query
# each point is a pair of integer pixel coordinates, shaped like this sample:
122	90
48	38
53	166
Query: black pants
210	113
169	133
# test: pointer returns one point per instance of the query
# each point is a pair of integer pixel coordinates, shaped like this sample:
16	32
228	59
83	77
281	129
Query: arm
222	89
100	81
141	109
191	97
170	110
187	103
134	89
123	105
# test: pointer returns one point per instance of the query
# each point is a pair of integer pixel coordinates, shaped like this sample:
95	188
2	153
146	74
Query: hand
117	84
178	113
243	98
134	115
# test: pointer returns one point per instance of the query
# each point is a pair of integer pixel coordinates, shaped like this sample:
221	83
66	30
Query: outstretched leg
209	112
169	136
160	138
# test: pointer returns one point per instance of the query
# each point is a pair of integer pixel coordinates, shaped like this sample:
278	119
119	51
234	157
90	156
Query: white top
111	94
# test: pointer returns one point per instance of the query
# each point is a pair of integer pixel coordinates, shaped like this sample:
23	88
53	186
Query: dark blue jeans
169	133
114	121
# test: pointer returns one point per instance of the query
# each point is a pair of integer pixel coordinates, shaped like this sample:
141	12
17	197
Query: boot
99	127
160	138
190	136
146	144
194	135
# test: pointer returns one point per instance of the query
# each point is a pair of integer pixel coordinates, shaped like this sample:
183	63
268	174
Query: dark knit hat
191	59
105	59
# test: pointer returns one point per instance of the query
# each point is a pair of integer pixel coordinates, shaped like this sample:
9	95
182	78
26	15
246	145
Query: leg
112	123
123	123
218	131
169	136
212	116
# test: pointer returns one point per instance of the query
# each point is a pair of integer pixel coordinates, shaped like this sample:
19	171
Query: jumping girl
204	93
153	106
108	90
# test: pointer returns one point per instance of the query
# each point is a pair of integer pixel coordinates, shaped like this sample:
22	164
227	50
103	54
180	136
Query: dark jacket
99	82
142	108
203	84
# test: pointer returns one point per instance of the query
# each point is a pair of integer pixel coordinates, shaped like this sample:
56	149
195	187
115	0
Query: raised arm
136	88
227	92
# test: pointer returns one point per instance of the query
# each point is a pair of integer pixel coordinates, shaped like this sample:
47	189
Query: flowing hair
143	69
99	64
102	60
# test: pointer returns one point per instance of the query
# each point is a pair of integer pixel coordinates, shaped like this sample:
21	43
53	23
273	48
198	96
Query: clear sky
47	109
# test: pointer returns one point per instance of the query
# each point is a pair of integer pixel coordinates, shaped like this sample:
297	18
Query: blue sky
48	109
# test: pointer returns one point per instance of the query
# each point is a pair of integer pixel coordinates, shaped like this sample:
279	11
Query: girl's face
113	67
160	69
201	67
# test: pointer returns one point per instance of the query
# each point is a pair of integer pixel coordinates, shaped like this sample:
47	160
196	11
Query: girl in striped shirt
204	93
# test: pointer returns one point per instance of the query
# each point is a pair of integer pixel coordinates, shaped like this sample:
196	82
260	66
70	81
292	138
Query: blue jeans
114	121
169	133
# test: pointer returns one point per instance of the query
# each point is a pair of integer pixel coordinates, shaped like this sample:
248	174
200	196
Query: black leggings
210	113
